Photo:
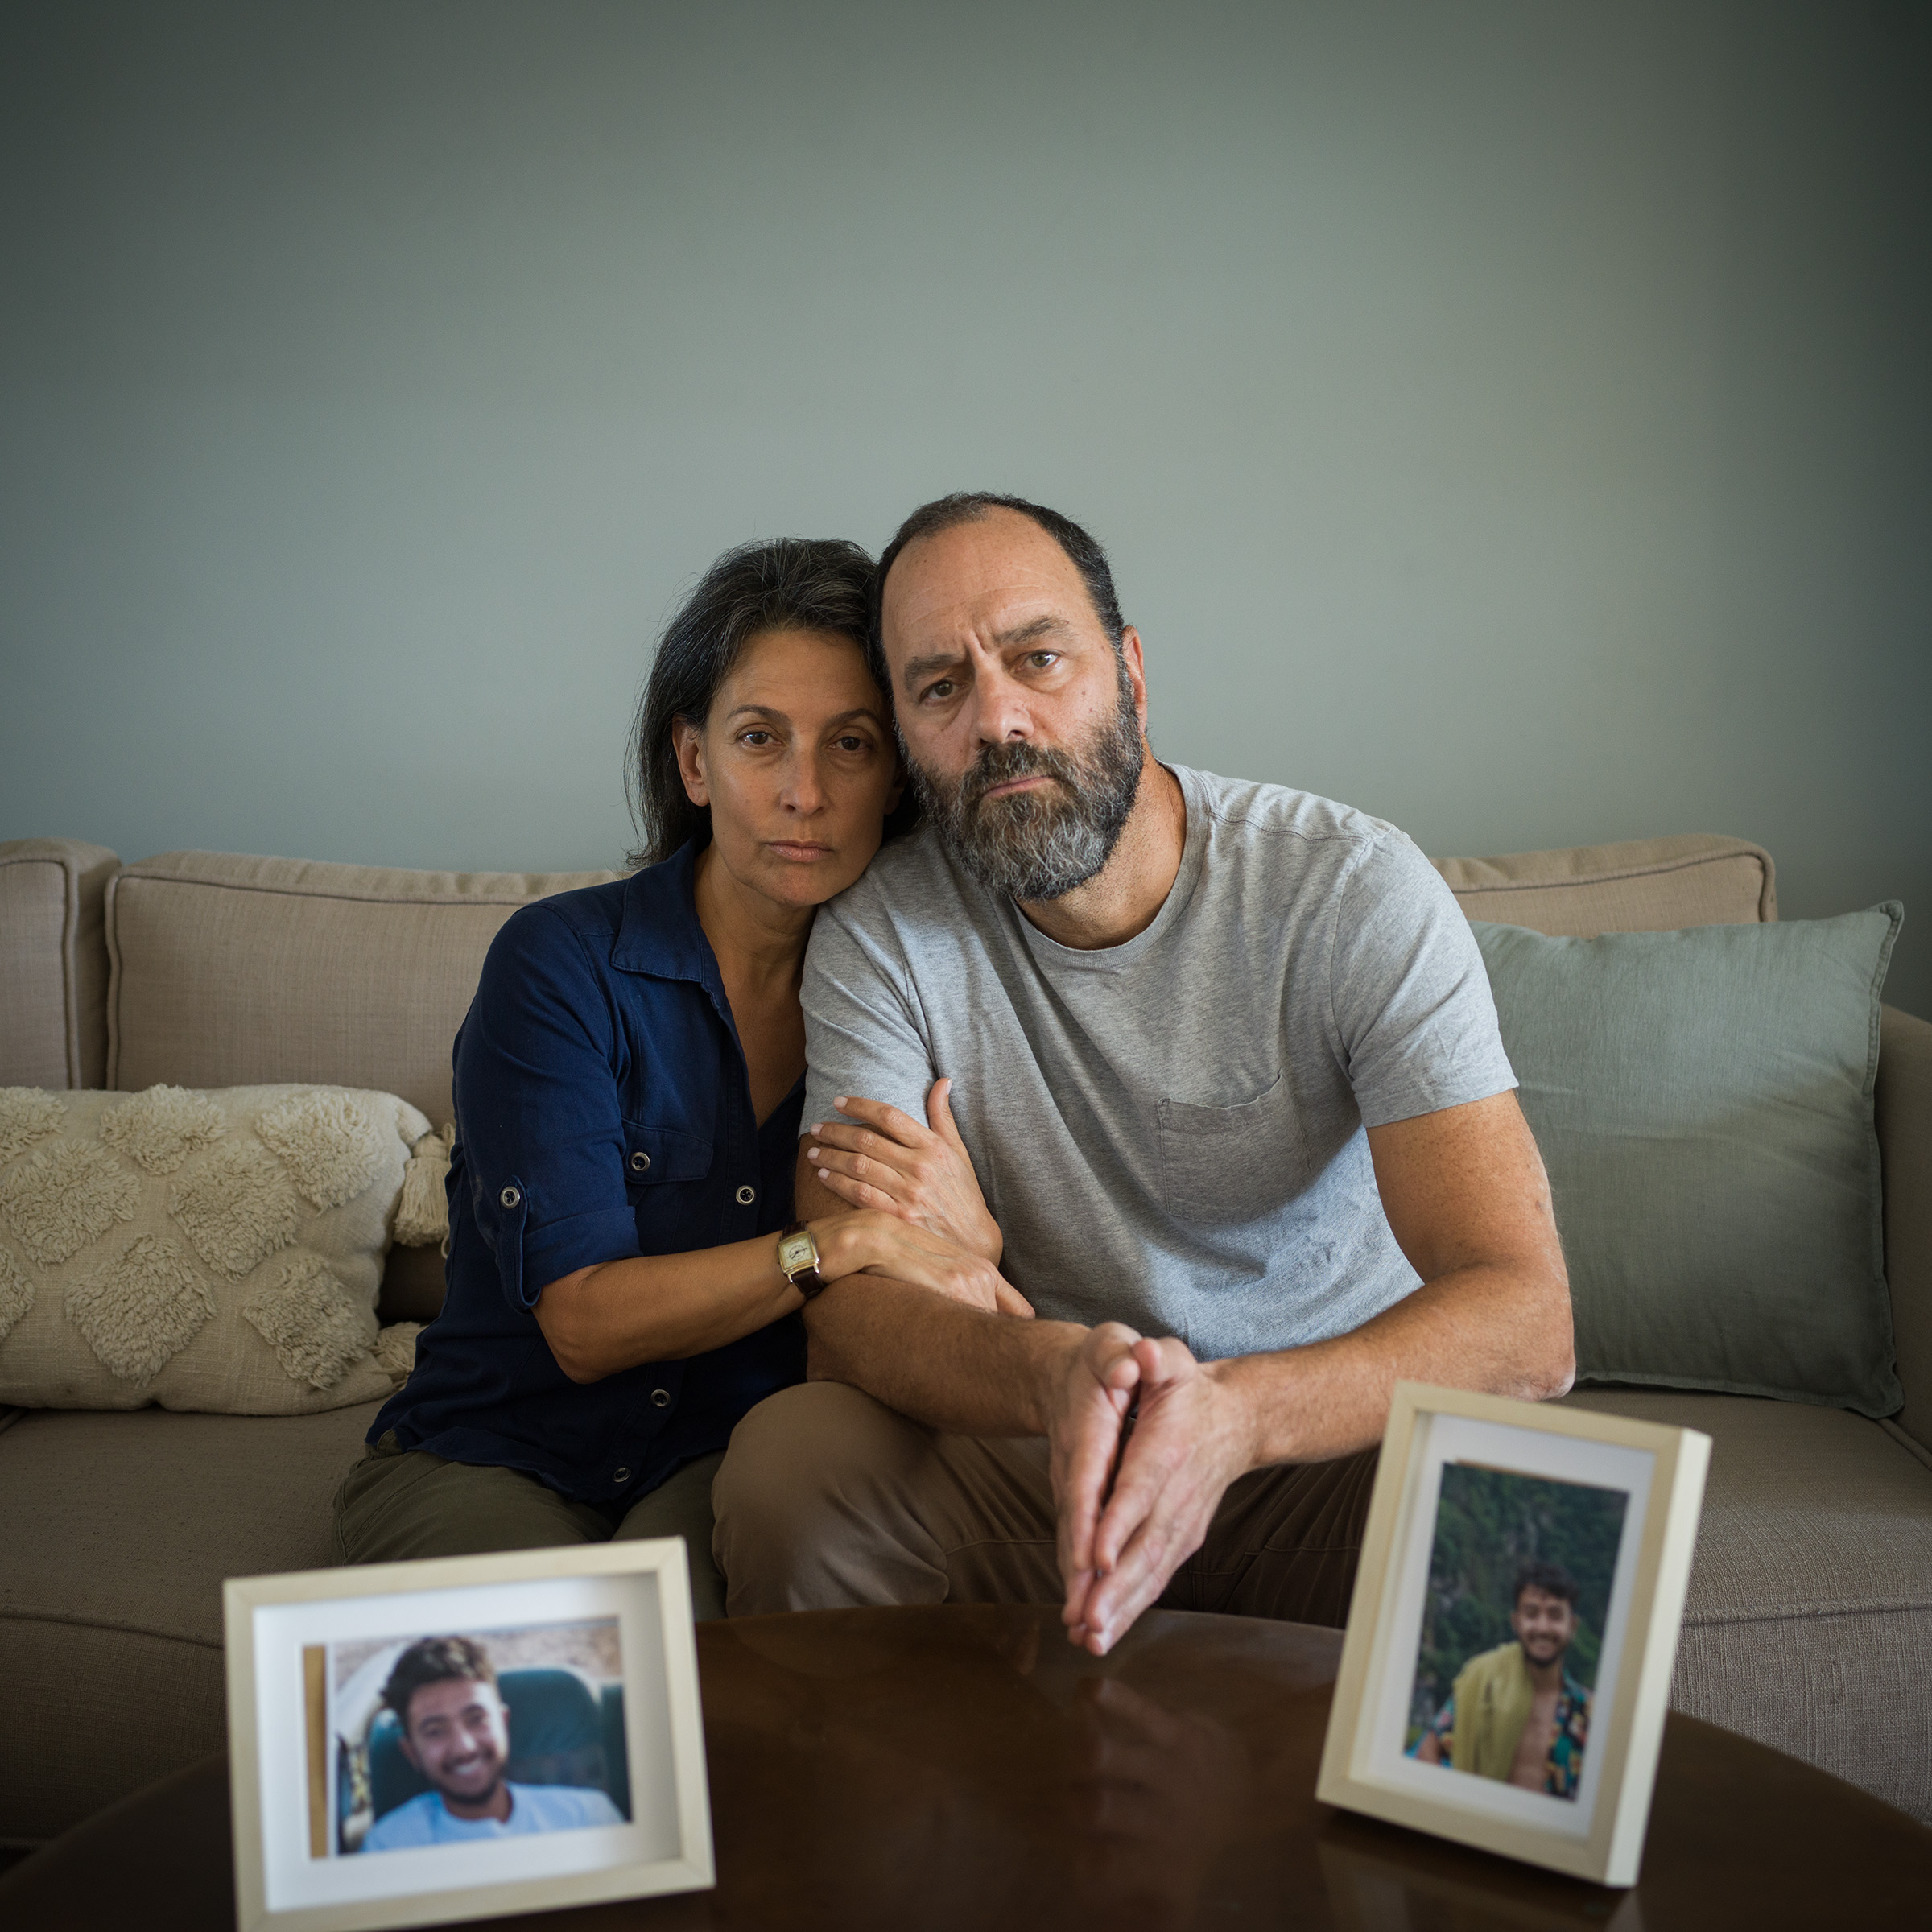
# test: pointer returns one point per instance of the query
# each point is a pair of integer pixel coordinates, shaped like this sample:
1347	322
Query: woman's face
798	765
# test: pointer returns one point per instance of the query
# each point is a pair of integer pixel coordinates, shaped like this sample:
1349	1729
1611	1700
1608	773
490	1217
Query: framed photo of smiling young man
1514	1626
420	1743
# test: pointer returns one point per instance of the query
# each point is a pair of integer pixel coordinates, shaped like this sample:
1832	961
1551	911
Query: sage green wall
1513	419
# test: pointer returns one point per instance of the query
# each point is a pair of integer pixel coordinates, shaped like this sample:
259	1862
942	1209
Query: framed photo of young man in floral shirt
1514	1624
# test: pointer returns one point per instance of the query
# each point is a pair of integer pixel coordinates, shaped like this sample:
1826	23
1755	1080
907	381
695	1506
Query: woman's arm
667	1307
921	1174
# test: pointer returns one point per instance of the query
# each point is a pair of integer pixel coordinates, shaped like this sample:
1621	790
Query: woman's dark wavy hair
789	584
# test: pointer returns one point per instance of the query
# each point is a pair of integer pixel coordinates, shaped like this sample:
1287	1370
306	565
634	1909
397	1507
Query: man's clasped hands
1144	1439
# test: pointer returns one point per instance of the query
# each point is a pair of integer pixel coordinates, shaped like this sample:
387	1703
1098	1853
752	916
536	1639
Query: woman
627	1087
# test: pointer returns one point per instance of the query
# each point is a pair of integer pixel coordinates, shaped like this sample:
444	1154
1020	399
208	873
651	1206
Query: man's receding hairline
980	513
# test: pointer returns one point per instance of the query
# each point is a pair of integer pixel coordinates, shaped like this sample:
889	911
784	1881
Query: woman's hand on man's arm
872	1241
667	1307
924	1174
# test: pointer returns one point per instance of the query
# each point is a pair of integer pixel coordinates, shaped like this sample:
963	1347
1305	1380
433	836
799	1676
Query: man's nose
1001	713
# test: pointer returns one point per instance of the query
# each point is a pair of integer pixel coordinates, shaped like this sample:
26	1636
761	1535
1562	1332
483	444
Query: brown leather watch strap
807	1281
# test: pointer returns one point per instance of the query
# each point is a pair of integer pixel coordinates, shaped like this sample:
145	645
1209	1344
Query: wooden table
965	1767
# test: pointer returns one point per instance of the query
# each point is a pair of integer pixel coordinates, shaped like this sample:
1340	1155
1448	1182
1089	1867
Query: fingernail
824	1174
839	1100
812	1154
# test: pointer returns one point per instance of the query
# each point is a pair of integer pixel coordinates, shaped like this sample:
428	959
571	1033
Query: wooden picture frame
308	1655
1371	1761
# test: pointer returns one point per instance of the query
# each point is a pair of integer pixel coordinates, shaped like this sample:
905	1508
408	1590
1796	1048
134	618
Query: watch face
797	1251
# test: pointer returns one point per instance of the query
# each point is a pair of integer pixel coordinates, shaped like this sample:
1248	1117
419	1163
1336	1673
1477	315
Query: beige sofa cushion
210	1251
232	972
53	963
1640	885
1808	1623
118	1530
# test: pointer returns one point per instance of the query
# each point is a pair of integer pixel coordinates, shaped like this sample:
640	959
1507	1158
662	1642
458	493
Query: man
455	1732
1514	1713
1226	1064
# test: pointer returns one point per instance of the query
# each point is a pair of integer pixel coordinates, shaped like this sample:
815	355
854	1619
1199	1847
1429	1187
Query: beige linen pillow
211	1251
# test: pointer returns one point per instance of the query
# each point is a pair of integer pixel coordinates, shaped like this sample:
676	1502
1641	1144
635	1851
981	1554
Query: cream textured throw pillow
218	1251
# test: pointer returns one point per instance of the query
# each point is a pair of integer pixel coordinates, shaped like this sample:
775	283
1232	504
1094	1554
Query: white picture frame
306	1655
1418	1528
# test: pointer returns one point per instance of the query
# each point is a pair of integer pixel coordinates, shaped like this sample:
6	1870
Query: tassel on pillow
422	1214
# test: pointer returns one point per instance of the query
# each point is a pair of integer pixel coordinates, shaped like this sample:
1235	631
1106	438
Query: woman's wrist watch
798	1260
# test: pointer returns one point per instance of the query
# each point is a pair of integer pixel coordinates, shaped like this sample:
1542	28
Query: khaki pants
827	1499
399	1503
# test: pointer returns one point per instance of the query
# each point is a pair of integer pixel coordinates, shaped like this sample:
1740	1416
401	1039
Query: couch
1809	1625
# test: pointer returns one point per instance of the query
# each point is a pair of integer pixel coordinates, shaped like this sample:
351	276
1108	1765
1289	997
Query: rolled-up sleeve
537	1111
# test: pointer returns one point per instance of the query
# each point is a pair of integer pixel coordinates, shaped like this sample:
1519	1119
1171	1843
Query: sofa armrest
1904	1144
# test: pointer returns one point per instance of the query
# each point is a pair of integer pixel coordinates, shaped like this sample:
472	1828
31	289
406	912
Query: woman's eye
851	742
757	739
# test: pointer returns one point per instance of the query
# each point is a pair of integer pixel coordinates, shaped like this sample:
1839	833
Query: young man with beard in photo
1514	1713
455	1732
1225	1060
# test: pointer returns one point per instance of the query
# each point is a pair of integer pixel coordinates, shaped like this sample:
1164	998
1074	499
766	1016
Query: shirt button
746	1196
662	1397
620	1476
639	1161
509	1197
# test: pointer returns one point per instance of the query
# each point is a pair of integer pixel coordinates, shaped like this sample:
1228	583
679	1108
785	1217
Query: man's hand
891	1162
1091	1389
1192	1437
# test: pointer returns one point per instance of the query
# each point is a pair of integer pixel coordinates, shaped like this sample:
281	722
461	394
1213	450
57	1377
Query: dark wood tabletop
964	1767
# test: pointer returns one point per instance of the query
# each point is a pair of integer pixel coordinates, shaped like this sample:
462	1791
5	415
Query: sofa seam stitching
1809	1613
1611	878
352	899
101	1623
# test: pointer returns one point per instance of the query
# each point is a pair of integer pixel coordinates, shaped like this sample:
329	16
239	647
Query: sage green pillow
1702	1099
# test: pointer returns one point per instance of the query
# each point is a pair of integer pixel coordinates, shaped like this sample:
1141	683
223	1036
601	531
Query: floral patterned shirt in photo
1563	1767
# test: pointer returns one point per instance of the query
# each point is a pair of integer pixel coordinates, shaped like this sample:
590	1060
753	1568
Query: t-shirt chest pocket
1220	1164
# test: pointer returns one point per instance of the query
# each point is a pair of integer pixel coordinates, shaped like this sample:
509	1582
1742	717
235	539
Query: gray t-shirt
1170	1133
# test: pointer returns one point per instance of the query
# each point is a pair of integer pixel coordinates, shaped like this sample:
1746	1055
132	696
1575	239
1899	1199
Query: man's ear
688	736
1136	670
409	1751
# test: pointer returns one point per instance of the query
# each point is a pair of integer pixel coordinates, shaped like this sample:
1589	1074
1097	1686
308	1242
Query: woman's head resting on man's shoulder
762	729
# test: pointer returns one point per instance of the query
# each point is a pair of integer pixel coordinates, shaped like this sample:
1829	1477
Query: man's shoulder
1489	1663
411	1823
554	1805
1279	821
911	882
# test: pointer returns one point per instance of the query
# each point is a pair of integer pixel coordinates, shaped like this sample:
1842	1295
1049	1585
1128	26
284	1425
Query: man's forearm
934	1358
1500	1329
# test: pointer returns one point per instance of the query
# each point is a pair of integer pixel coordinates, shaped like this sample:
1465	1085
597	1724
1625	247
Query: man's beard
1042	842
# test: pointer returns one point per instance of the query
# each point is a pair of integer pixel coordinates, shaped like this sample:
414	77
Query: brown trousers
827	1499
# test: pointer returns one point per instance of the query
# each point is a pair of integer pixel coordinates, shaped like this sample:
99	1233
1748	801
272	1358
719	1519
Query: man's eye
942	687
1042	660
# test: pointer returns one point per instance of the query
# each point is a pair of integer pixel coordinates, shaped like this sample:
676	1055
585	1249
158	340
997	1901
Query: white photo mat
282	1885
1597	1832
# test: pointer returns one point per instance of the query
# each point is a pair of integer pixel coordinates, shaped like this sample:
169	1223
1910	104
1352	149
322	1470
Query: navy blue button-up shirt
603	1110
